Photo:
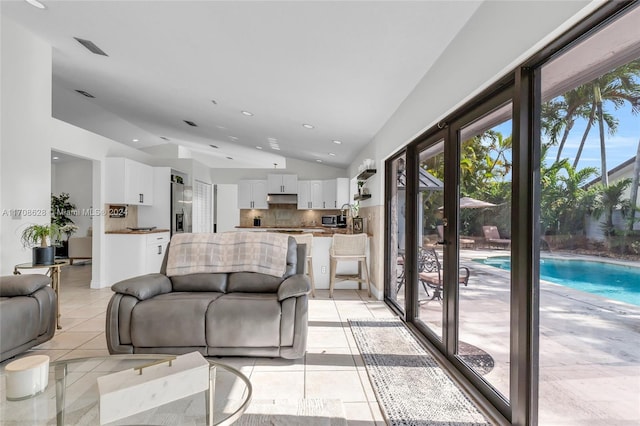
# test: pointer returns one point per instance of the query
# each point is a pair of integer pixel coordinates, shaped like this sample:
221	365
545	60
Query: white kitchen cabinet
129	255
128	182
282	184
309	194
335	193
252	194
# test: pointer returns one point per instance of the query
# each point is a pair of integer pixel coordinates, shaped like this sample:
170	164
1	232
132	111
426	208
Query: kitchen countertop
317	231
129	231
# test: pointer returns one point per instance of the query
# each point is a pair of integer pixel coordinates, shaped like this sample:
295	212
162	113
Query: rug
410	386
308	412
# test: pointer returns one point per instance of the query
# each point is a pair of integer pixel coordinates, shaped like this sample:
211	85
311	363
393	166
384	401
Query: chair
430	272
492	236
349	247
80	247
307	239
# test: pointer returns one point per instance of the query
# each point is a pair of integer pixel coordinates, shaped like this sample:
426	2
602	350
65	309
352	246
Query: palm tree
633	197
610	120
609	198
618	86
576	104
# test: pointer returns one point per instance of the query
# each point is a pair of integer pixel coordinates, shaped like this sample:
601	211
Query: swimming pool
609	280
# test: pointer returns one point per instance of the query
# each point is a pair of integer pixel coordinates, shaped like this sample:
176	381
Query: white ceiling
343	67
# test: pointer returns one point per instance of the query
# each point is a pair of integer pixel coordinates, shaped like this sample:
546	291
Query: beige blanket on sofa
262	252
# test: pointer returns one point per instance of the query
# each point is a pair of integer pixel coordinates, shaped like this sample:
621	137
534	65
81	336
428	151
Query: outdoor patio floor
589	357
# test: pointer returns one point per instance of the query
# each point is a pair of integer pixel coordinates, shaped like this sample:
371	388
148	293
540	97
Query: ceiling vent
87	94
91	46
191	123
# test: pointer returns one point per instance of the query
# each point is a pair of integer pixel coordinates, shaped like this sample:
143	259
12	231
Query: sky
620	147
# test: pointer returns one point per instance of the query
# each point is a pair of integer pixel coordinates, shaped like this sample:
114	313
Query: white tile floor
332	367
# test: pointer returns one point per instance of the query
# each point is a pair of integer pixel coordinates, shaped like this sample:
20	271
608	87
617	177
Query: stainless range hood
282	199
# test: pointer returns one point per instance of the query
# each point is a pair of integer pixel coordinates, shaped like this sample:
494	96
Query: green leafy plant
34	235
61	208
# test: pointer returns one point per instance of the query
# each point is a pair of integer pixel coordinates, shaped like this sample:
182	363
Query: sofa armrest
144	286
294	286
22	285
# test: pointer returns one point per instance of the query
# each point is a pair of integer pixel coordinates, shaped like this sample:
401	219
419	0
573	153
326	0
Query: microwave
334	221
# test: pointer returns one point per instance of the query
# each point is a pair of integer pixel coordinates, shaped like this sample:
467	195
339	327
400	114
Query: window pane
430	202
484	243
397	232
589	263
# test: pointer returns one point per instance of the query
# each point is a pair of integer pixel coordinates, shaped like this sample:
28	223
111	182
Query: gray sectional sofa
221	314
27	313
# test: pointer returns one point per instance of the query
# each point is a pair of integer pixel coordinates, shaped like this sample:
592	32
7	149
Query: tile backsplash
285	215
120	223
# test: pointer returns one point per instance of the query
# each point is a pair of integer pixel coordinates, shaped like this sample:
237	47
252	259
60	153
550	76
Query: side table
53	272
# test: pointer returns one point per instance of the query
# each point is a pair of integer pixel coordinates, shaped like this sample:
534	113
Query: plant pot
43	255
63	249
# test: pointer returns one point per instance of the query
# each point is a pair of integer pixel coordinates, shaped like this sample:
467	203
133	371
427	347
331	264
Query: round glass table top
72	397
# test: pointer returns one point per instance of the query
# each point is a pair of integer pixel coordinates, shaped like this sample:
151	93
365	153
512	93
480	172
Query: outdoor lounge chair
492	237
430	273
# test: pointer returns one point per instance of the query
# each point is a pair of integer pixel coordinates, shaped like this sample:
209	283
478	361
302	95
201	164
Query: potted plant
35	236
61	209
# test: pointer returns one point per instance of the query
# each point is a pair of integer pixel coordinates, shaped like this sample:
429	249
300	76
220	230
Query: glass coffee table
72	398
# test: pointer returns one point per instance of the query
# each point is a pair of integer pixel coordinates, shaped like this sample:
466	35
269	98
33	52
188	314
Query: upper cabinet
252	194
310	194
128	182
282	184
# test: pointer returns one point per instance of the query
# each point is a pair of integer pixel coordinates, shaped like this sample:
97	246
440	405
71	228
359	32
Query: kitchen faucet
342	209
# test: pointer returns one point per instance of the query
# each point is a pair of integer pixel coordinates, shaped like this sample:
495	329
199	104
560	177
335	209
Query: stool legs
359	277
332	276
310	272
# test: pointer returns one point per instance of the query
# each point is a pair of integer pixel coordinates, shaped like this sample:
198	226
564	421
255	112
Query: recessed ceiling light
332	154
84	93
214	146
247	113
135	140
233	138
191	123
221	127
36	3
55	158
258	147
337	142
319	160
213	101
307	126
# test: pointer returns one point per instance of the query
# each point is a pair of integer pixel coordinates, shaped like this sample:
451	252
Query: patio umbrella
472	203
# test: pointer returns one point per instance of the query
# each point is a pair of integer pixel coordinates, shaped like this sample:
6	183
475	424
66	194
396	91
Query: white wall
74	178
500	35
304	169
28	134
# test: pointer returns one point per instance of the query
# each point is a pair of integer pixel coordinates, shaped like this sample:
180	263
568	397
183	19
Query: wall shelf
359	197
366	174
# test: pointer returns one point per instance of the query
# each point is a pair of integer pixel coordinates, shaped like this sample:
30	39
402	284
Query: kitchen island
322	237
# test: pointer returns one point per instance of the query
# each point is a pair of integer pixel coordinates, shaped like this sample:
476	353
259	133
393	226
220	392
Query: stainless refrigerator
181	208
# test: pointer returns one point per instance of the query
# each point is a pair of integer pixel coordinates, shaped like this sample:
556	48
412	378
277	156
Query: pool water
609	280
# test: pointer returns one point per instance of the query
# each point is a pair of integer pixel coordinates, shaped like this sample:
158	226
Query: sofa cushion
244	320
253	282
19	322
172	319
22	285
200	282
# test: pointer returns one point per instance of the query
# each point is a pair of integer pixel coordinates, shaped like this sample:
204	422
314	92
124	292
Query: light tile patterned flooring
332	367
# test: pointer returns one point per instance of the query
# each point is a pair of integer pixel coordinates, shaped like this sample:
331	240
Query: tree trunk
603	153
567	129
592	116
633	197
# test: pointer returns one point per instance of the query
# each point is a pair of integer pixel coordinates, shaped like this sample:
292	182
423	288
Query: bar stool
308	240
349	247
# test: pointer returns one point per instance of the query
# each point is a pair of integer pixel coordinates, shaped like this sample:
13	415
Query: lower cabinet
130	255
